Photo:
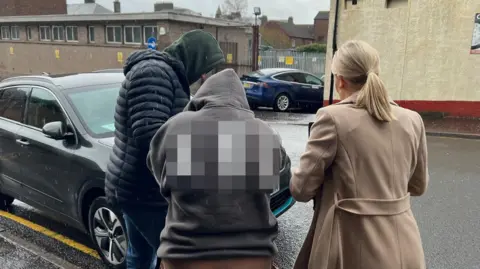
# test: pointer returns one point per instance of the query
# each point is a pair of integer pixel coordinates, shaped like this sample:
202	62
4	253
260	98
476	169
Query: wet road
448	215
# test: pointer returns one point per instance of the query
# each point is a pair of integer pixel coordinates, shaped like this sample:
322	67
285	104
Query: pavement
435	126
448	215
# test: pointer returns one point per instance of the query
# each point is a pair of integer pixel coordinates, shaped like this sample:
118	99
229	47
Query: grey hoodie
216	165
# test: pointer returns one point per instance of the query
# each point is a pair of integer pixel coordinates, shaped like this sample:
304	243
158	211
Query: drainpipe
334	49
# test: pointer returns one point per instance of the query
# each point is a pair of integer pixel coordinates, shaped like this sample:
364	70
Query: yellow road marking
67	241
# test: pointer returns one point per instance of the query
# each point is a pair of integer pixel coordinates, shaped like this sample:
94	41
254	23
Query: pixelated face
225	155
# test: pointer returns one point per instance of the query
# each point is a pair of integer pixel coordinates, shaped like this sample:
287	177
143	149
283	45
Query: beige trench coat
361	173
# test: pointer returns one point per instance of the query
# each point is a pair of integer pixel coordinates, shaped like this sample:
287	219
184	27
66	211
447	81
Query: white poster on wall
476	36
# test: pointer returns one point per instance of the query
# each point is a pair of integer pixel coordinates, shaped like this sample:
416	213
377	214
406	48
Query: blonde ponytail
359	63
374	98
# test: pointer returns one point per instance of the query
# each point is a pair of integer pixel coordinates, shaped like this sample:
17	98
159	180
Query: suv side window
285	77
12	102
43	108
313	80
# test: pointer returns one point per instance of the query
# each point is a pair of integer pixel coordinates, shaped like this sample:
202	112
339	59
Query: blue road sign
152	43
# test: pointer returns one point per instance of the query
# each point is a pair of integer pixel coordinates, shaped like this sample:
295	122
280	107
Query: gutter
334	49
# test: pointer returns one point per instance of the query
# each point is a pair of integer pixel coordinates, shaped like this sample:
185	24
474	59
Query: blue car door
303	88
288	83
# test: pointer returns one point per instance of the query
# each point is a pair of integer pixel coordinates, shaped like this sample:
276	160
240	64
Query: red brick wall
321	30
32	7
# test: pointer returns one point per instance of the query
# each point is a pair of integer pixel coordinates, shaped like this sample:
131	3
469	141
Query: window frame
22	120
2	31
133	35
114	37
58	27
40	32
145	38
66	33
90	28
16	27
29	33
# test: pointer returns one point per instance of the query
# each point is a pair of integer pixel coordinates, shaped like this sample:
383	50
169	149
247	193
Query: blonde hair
359	63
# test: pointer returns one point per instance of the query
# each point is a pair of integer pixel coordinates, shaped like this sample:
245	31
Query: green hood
198	51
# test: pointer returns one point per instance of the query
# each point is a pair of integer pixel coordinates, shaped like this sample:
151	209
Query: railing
310	62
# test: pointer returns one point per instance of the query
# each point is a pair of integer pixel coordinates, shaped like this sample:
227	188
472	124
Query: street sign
152	43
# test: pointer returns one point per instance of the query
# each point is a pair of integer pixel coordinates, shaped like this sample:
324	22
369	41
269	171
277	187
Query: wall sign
57	53
475	49
120	57
12	51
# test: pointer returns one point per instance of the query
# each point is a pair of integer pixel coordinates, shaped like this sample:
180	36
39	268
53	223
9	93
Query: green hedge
315	47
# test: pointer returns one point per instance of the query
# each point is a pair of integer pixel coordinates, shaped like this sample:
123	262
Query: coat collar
352	99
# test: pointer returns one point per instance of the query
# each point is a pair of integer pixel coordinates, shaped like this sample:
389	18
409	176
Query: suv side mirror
56	130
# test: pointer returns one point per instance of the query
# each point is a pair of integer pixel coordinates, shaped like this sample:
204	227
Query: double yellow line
67	241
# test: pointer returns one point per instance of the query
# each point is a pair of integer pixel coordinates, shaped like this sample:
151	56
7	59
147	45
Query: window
91	34
5	32
12	103
58	33
293	43
133	35
72	33
114	34
97	115
15	31
43	108
149	31
285	77
312	80
45	33
29	33
298	77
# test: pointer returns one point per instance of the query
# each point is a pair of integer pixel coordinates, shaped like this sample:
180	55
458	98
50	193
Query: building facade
425	47
29	7
81	43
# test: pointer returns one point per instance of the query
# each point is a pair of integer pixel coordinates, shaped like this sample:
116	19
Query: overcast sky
303	11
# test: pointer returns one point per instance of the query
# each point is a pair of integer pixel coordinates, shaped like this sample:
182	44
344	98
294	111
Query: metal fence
310	62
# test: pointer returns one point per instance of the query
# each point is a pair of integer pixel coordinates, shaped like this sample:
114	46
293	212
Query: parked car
56	135
283	88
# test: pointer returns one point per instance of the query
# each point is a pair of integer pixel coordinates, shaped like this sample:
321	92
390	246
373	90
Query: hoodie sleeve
150	88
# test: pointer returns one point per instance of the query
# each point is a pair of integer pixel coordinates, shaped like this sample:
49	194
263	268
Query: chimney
117	6
290	20
161	6
89	1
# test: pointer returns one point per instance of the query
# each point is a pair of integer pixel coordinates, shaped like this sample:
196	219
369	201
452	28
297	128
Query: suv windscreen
95	106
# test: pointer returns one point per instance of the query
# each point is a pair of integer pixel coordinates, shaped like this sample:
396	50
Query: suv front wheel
108	233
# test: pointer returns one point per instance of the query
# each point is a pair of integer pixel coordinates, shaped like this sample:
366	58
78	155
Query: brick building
32	7
65	43
287	34
320	26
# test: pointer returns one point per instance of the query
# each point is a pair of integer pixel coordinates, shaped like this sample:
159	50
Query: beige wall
424	45
34	56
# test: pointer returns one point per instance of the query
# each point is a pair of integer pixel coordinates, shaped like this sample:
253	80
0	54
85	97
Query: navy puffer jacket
155	88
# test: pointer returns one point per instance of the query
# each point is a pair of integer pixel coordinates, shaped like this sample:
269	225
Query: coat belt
356	206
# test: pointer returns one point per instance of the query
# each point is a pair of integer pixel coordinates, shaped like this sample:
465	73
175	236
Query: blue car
283	88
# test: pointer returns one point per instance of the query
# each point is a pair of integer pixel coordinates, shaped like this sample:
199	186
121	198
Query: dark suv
56	135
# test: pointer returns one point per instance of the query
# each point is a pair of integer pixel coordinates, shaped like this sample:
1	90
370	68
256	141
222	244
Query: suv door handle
22	142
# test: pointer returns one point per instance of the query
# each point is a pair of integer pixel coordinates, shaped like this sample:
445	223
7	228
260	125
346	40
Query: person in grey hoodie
216	165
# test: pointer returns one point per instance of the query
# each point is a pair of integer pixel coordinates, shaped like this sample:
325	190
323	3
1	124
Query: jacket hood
199	52
143	55
221	89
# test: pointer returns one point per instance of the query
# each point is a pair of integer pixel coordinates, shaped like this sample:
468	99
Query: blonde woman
364	159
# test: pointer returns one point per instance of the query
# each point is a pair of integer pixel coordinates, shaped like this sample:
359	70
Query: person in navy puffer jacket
156	87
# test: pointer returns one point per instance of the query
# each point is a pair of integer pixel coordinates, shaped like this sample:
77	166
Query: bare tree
235	6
